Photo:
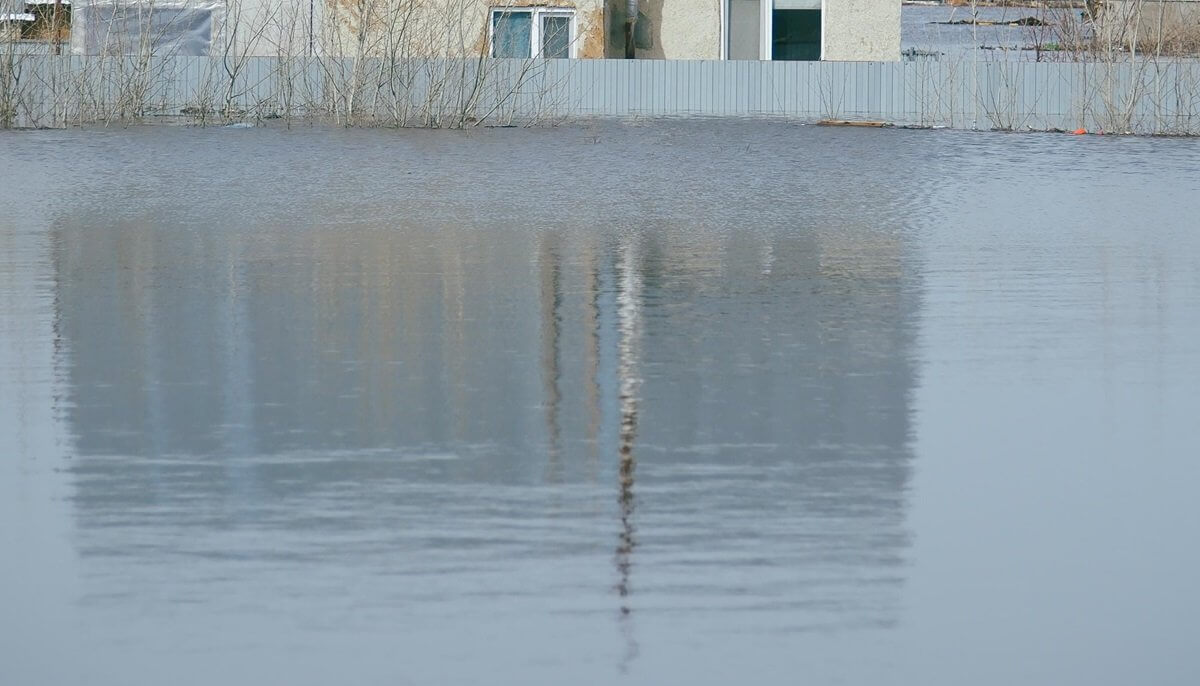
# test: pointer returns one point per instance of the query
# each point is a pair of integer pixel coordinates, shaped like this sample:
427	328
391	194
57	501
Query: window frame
766	28
535	30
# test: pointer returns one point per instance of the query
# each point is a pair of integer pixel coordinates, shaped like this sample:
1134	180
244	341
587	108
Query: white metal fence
1140	96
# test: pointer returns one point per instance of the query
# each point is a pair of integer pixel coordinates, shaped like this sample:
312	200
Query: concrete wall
862	30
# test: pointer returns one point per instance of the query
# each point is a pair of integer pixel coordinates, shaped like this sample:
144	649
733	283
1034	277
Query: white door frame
823	29
766	22
723	50
765	29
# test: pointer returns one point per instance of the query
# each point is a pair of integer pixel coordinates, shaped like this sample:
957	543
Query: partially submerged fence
1143	96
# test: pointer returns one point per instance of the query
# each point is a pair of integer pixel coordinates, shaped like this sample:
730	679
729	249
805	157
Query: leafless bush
427	63
12	83
367	62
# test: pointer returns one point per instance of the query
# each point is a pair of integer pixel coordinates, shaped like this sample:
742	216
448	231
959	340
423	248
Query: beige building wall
267	27
669	29
1171	27
855	30
441	28
680	29
862	30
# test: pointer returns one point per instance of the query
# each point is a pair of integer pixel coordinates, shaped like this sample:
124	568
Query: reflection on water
628	298
657	424
551	295
266	406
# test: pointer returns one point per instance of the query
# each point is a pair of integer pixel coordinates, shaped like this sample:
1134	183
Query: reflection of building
785	366
742	395
202	345
782	360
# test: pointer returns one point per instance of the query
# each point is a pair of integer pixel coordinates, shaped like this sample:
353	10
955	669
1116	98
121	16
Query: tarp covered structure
162	27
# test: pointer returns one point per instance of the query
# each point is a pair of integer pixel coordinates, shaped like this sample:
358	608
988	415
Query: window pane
511	34
797	35
745	23
556	36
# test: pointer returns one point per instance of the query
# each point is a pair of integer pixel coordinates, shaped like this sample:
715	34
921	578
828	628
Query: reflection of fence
1140	96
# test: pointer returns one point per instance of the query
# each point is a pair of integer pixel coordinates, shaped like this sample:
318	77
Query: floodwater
693	402
929	30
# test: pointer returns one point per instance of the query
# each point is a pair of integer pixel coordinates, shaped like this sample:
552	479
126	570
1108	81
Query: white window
774	29
525	32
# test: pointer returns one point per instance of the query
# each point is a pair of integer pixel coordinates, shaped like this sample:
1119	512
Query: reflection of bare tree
455	313
591	323
629	331
551	298
235	344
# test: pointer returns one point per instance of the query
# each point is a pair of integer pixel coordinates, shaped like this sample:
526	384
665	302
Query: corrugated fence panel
1146	96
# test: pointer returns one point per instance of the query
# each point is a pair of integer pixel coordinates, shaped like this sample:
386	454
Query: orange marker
1079	132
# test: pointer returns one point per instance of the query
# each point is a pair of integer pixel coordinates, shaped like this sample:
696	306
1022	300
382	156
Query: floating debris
1023	21
851	122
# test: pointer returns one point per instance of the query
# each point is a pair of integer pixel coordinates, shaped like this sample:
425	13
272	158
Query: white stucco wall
683	29
862	30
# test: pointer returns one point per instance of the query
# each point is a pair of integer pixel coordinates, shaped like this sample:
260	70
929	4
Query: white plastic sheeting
158	27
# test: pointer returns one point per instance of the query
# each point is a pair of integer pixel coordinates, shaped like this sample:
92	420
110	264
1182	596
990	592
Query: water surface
673	403
930	30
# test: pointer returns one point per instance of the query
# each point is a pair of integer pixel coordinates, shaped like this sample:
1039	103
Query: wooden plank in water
848	122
